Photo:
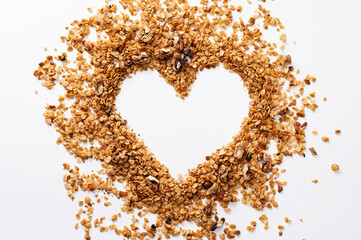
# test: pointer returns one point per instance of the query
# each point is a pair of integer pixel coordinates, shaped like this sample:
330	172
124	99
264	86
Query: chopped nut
212	190
238	152
207	185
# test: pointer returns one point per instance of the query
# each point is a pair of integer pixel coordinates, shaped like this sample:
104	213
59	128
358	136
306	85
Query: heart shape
179	50
182	132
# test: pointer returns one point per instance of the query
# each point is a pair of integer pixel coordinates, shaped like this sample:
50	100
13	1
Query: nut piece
245	172
212	190
141	59
267	163
280	110
164	53
145	35
220	222
239	151
335	167
286	60
313	151
188	52
207	210
207	185
153	180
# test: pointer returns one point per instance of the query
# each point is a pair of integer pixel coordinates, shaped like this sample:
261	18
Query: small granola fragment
335	167
283	37
337	131
313	151
325	139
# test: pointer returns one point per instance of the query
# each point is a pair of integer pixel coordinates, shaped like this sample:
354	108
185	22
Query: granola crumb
325	139
324	99
280	233
313	151
337	131
280	227
283	37
314	133
36	91
90	9
335	167
282	47
114	218
315	181
287	220
250	228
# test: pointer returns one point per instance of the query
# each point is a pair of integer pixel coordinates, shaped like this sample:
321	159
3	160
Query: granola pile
178	41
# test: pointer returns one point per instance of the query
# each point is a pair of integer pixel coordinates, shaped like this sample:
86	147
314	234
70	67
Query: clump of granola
174	38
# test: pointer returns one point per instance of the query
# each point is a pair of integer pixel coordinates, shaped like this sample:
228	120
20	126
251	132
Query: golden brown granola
178	41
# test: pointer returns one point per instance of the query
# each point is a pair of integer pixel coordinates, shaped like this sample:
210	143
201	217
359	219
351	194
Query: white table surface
33	201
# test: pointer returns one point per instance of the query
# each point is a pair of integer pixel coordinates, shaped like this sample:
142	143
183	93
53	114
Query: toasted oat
325	139
335	167
283	37
314	133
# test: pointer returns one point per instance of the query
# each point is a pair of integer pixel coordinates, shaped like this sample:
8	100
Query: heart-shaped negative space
182	132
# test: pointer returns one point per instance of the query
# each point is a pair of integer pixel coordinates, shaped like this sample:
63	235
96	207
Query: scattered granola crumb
45	49
280	227
114	218
250	228
280	233
337	131
301	220
283	170
90	9
335	167
36	91
313	151
76	226
315	181
283	37
287	220
324	99
282	47
314	133
325	139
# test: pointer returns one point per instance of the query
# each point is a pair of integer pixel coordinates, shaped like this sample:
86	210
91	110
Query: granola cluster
178	41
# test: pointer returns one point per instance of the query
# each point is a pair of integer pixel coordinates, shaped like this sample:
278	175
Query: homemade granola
178	41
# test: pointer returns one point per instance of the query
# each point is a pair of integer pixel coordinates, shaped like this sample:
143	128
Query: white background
33	201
